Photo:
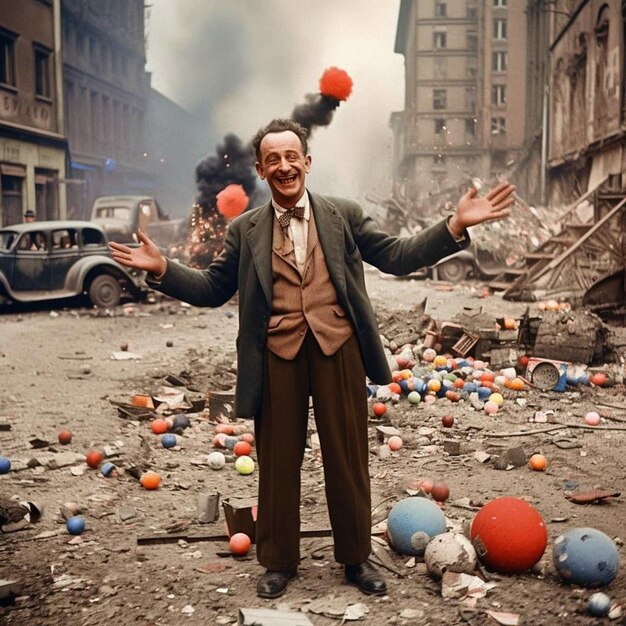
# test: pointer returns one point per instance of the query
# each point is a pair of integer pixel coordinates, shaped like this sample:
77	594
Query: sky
236	64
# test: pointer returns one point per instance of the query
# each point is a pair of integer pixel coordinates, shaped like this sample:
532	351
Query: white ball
216	460
450	552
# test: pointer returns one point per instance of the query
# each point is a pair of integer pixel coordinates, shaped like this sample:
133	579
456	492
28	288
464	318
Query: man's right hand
146	256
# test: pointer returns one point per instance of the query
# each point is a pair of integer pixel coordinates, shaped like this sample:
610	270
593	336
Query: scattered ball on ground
168	440
244	465
150	481
491	408
239	543
440	492
242	448
75	525
216	460
411	524
450	552
599	604
227	429
65	437
94	458
414	397
586	556
538	462
107	469
509	535
447	421
379	409
394	442
5	465
592	418
158	426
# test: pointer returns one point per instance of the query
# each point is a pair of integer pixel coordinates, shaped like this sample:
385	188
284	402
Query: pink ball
491	407
592	418
428	399
394	442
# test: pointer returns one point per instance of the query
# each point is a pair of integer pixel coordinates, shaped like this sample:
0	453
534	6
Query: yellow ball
434	385
440	361
497	398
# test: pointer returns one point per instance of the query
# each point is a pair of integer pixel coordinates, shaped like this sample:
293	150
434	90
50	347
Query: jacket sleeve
399	255
211	287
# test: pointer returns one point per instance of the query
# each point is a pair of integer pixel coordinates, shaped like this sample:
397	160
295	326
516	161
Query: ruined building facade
464	97
32	135
106	94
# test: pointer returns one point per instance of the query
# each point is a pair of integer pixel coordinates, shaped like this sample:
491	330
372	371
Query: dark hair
278	126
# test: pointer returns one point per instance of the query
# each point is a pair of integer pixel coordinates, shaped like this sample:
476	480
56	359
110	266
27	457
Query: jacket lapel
259	237
330	232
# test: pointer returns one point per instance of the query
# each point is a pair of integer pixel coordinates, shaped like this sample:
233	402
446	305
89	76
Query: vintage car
61	259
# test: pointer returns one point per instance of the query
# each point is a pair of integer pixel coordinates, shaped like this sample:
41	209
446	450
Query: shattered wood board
272	617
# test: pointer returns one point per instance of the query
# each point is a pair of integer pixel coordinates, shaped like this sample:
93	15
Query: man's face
284	165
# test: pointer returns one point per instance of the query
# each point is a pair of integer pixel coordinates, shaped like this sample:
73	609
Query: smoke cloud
237	65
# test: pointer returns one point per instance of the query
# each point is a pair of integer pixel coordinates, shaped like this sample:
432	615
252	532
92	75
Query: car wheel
105	291
454	270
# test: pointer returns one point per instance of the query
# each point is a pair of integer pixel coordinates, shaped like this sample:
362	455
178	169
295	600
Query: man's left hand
473	210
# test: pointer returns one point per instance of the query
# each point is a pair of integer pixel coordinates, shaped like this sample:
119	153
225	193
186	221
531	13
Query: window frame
440	99
500	29
440	40
42	75
497	66
8	75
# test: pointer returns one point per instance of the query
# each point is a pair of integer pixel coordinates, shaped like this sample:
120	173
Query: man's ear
307	163
259	170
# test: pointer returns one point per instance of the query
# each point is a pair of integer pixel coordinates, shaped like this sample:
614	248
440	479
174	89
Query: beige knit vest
303	302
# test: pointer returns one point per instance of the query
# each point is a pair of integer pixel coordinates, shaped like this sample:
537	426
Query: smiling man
307	330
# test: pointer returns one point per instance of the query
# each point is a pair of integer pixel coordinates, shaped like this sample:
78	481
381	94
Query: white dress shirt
298	229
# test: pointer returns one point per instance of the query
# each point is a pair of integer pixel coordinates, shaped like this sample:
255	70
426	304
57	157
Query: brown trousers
337	386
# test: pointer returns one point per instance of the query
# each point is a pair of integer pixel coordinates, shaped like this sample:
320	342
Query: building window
7	58
472	12
440	40
499	4
440	68
471	67
498	95
498	60
499	29
498	126
42	72
441	9
440	126
471	40
440	99
470	126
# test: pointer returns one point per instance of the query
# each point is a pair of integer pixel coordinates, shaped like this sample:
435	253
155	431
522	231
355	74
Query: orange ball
65	437
158	426
242	448
538	462
227	429
395	388
394	442
396	376
459	383
517	384
94	458
150	480
379	408
239	544
249	437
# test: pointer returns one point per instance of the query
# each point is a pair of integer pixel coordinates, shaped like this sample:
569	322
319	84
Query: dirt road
58	373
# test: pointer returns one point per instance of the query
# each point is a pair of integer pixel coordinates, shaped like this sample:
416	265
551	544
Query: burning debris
226	181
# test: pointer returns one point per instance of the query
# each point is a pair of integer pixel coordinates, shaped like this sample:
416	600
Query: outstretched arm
472	210
146	257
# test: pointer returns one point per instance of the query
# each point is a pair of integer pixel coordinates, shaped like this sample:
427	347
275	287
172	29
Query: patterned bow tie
285	216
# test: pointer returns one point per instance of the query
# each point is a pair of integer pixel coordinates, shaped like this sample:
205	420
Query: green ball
414	397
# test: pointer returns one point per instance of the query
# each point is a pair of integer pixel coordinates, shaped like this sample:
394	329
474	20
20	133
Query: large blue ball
586	556
75	525
5	465
168	440
412	523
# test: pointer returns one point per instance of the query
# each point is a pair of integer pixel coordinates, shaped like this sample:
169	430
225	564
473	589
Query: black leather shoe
273	584
366	578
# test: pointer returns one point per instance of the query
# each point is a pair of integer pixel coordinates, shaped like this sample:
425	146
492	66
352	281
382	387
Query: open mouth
287	180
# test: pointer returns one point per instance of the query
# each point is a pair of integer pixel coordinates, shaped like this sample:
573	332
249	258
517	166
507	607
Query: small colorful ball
75	525
94	458
394	442
440	492
379	408
592	418
216	460
447	421
239	544
242	448
414	397
244	465
429	355
150	481
599	604
168	440
411	524
5	465
491	408
538	462
497	398
158	426
65	437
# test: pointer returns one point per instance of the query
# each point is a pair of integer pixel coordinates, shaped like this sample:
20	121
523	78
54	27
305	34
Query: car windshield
113	213
7	239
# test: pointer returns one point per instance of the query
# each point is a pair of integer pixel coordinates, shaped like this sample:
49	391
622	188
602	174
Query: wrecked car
62	259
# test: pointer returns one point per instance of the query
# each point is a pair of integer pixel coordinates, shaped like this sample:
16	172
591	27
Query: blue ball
5	465
168	440
75	525
419	385
470	387
404	386
412	523
484	392
586	556
107	469
599	604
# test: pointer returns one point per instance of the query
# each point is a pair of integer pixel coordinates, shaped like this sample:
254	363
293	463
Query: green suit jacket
348	238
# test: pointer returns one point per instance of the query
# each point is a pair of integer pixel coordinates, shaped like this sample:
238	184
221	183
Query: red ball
380	409
158	426
227	429
509	535
65	437
447	421
523	360
94	458
249	437
440	492
239	543
336	83
232	201
395	388
242	448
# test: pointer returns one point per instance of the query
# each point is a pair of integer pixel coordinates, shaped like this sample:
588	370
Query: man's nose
284	164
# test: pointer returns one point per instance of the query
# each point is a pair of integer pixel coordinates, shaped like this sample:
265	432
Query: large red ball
232	201
336	83
509	535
